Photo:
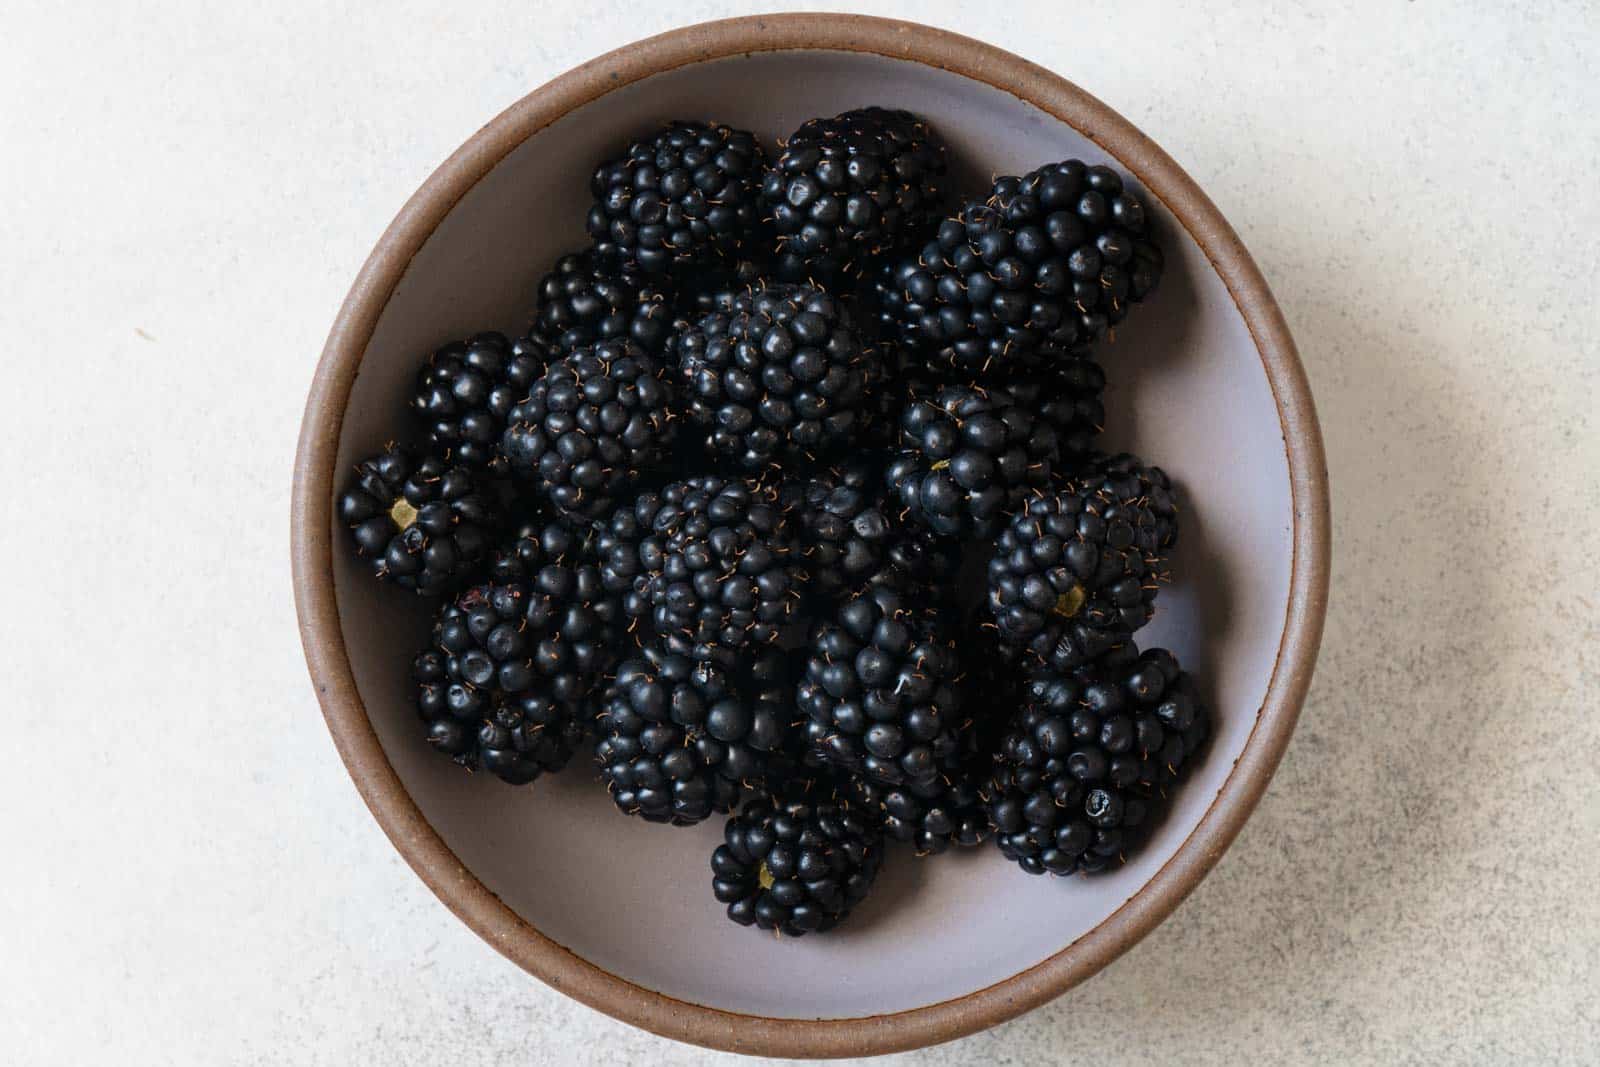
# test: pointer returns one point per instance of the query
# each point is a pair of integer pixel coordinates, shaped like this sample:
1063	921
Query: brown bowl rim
427	853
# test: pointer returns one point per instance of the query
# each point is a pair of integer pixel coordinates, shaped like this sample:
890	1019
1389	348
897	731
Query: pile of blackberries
703	521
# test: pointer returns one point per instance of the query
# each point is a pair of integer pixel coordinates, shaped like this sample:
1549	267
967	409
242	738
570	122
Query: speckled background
190	876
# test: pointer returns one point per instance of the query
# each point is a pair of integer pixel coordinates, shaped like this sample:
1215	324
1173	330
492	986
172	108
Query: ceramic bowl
618	913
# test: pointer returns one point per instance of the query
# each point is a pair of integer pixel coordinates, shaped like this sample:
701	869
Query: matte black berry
795	866
587	298
712	562
881	689
1077	571
466	389
853	187
683	197
969	456
1091	758
590	427
508	679
779	376
680	738
423	525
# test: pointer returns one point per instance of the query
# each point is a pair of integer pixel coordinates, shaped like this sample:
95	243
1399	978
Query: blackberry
684	197
852	187
1091	757
1077	571
778	376
466	389
1048	262
424	525
701	292
1067	395
590	426
587	299
679	738
795	866
931	818
969	455
881	689
508	679
711	561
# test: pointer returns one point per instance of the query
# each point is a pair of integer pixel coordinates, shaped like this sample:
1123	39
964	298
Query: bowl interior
1187	392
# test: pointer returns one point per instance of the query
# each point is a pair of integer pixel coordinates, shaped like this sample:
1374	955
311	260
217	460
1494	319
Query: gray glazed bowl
1205	382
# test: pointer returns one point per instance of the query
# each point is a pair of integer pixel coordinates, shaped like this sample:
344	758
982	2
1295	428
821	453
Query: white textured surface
190	876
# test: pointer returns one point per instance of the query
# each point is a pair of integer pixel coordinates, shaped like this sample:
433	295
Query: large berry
795	866
683	197
1090	759
466	389
424	525
587	298
507	681
591	426
680	738
1077	571
778	376
882	689
849	188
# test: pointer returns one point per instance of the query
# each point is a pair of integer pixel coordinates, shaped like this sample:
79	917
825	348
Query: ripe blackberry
852	187
590	426
881	689
711	561
779	376
587	299
1053	258
684	197
933	817
679	738
702	291
507	681
466	389
969	455
1091	757
1077	571
1066	394
795	866
424	525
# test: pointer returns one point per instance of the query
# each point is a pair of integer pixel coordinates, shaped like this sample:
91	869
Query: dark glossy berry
1046	264
508	681
779	376
1089	762
711	562
683	197
680	738
853	187
1067	395
933	817
1077	571
968	457
467	388
423	525
881	690
589	427
795	866
587	298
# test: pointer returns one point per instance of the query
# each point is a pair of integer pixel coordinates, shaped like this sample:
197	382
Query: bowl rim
428	854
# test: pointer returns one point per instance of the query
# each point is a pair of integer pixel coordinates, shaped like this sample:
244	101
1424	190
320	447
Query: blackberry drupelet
795	866
969	455
849	188
683	197
680	738
712	562
1077	571
1053	258
589	428
881	690
424	525
780	376
1089	760
587	299
507	683
466	389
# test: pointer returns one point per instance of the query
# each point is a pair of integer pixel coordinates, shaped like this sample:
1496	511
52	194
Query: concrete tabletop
188	190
